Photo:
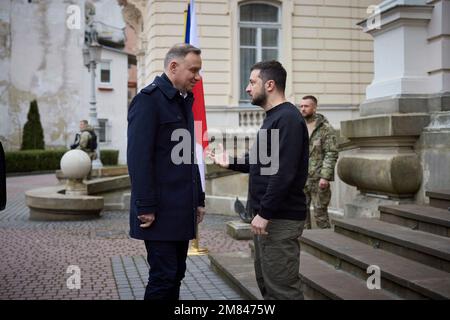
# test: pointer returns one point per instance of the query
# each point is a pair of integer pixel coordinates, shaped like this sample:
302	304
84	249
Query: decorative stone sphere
75	164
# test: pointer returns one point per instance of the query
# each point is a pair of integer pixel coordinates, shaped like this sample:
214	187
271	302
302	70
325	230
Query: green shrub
109	157
33	160
33	134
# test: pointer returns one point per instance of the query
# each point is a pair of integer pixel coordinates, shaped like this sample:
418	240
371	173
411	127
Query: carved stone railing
251	117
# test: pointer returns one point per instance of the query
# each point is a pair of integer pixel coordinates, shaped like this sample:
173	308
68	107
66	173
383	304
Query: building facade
324	51
318	42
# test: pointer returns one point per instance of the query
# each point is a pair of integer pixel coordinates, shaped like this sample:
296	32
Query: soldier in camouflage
323	154
87	134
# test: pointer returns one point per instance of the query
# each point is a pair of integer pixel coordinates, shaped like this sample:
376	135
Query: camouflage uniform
323	154
84	142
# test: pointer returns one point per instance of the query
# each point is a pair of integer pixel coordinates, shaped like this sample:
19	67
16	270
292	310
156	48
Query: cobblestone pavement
35	256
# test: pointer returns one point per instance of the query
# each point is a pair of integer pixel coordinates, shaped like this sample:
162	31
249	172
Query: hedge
33	160
109	157
47	160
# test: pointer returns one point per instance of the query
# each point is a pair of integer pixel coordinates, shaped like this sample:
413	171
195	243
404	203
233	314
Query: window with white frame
259	38
103	130
105	72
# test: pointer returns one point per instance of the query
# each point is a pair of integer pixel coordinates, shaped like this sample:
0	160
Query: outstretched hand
219	156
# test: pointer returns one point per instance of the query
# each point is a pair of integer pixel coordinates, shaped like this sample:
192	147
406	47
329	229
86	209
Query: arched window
259	34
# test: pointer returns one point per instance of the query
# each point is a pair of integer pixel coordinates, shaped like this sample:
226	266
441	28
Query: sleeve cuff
328	178
145	206
201	200
266	213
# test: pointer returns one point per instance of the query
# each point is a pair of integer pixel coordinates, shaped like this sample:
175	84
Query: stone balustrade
251	117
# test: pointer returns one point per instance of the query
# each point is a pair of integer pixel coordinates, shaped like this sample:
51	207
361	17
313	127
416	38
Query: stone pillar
400	82
400	142
434	142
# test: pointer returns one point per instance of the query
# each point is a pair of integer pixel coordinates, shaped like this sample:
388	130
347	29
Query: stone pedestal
239	230
76	187
222	188
75	165
434	151
399	146
384	161
384	165
366	205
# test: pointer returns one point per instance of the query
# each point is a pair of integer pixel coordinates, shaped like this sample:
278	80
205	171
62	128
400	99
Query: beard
308	117
260	99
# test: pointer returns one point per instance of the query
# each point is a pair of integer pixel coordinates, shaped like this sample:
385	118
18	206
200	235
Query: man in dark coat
167	200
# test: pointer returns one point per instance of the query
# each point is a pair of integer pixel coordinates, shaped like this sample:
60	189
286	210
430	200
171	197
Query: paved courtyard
35	256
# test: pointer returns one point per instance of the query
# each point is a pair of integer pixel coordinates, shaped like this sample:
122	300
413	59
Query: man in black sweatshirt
278	168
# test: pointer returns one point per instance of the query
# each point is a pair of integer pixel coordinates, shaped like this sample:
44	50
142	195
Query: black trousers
167	260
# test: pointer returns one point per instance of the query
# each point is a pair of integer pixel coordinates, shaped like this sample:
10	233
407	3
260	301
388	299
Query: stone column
398	154
434	143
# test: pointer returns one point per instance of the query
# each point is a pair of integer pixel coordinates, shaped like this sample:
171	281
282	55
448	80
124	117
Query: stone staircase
410	244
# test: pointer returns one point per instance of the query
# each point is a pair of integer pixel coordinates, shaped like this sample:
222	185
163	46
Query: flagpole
195	249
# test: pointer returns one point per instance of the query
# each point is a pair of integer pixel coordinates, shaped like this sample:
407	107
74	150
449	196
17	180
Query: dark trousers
167	260
277	260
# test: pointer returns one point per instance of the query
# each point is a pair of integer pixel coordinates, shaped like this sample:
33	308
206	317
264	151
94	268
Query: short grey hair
180	51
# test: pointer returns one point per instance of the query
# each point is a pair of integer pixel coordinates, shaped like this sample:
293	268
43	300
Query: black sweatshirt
278	194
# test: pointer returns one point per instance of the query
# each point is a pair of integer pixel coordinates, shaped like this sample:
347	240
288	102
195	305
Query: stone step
417	217
239	230
320	280
126	200
439	198
237	269
403	277
426	248
113	206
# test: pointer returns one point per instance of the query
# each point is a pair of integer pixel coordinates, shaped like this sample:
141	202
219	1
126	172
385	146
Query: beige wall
332	58
324	51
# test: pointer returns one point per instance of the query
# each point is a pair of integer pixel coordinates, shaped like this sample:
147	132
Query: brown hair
310	98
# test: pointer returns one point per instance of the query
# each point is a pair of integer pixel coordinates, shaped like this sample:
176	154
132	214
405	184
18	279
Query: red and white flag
198	108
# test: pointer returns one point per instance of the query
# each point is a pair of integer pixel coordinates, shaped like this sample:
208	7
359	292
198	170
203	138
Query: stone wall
40	59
